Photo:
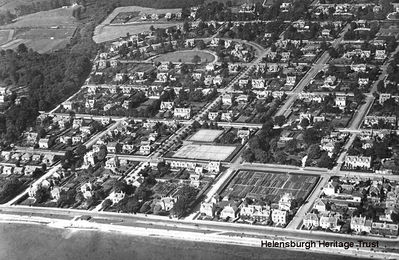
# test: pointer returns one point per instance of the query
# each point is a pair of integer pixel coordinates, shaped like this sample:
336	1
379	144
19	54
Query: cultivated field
206	135
268	185
185	56
205	152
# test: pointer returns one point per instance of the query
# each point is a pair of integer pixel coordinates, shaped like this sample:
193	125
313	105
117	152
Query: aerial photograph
199	129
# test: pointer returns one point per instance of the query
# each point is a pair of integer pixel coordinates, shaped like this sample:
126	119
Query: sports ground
205	152
206	135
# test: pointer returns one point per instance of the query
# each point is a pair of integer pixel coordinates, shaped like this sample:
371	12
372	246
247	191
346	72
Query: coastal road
203	227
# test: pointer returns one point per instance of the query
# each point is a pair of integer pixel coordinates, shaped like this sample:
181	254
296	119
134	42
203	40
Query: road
218	232
363	111
314	70
48	174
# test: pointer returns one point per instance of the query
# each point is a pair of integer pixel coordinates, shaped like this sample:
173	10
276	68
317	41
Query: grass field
206	135
185	56
205	152
34	30
4	35
269	185
10	5
56	17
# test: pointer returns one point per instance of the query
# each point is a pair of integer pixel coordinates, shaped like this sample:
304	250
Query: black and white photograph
199	129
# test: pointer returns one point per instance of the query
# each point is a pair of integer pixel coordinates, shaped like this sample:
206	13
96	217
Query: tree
41	195
186	27
163	168
279	120
291	145
313	151
305	123
248	155
311	136
187	195
22	48
196	125
325	161
106	204
196	59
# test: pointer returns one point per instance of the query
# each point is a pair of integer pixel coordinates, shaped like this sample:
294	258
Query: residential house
279	217
285	202
352	162
87	190
360	224
44	143
208	209
214	167
384	229
329	222
145	148
166	105
182	112
116	197
227	100
320	206
112	164
310	220
229	212
213	116
340	101
227	116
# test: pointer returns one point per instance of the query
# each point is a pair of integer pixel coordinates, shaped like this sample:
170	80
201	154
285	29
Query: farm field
35	30
206	135
270	186
185	56
4	36
205	152
57	17
112	32
10	5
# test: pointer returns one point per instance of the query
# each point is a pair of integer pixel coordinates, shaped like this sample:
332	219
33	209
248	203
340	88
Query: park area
206	135
205	152
186	57
269	186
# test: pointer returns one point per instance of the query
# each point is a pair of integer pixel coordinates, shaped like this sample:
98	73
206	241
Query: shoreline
187	236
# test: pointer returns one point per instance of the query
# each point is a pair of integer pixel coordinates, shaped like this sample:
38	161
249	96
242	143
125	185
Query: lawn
185	56
4	35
